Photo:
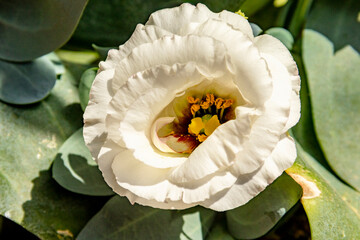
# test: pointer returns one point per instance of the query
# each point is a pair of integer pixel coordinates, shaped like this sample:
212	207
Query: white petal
95	112
272	46
177	19
248	186
107	156
237	22
143	181
252	73
209	55
266	130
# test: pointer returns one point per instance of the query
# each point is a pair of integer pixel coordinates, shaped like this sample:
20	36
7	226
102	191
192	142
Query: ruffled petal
249	185
151	180
209	55
267	128
272	46
177	20
252	74
94	117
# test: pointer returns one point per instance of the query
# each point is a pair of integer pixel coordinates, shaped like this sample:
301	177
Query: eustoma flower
193	110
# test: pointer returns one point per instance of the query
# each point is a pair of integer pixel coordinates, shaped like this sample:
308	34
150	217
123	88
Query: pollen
241	13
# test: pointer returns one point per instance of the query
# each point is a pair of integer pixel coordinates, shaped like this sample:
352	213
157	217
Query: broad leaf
334	89
120	220
261	214
338	20
25	83
219	232
75	170
86	81
30	138
33	28
331	206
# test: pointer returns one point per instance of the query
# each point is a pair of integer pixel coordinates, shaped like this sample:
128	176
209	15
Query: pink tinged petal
209	55
250	185
272	46
143	181
266	130
160	144
94	117
176	19
252	74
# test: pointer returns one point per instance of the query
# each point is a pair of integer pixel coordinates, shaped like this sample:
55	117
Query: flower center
196	122
207	115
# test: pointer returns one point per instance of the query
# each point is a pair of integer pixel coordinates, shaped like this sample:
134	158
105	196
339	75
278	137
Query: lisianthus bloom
193	110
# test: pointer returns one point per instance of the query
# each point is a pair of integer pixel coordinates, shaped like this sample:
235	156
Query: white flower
193	110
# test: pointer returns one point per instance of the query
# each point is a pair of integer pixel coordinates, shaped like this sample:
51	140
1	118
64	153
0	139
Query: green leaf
261	214
86	81
283	35
120	220
75	170
219	232
25	83
122	16
30	138
337	20
332	207
33	28
334	87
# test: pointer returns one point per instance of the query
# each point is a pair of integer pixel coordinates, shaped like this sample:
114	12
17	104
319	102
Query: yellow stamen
201	137
196	126
194	108
219	102
227	103
210	98
241	14
211	125
205	105
193	100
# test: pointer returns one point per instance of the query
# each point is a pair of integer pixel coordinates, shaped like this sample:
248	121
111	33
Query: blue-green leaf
75	170
118	219
32	28
25	83
261	214
334	89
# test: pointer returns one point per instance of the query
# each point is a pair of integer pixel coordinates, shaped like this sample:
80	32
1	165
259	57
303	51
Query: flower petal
250	185
266	129
272	46
94	117
175	20
209	55
252	73
151	180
